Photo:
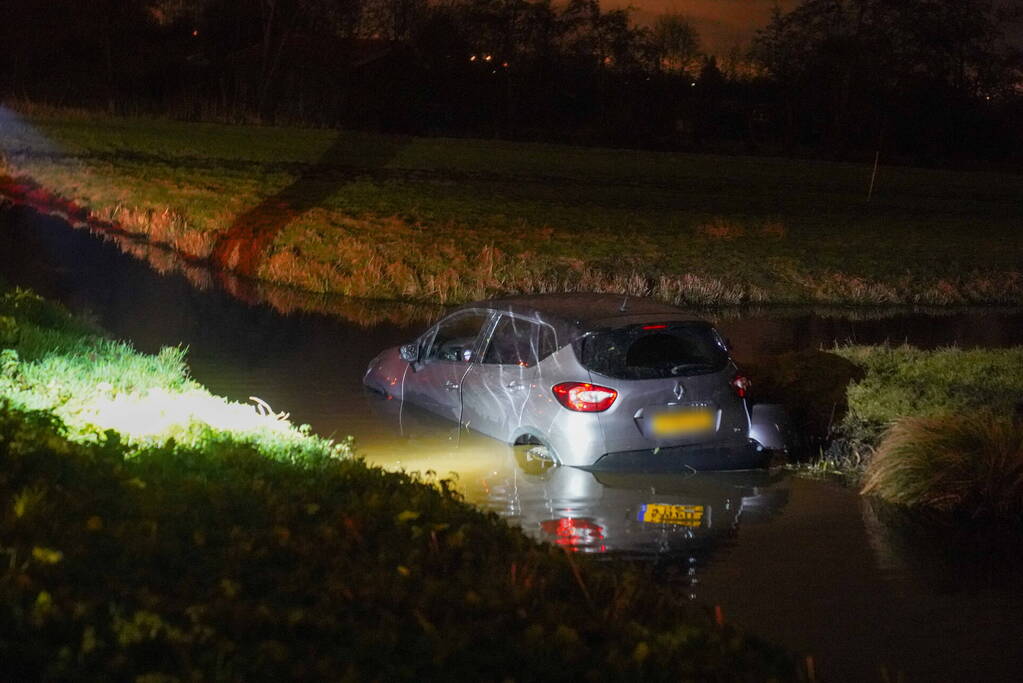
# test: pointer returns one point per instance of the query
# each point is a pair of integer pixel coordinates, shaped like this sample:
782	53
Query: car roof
577	313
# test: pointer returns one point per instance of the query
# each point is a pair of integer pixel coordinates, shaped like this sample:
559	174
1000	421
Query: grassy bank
61	365
904	381
449	220
937	429
152	531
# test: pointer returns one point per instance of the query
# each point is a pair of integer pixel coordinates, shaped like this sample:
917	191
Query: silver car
598	381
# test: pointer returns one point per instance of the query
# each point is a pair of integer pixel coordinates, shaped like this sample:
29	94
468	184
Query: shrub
904	381
25	306
968	463
221	563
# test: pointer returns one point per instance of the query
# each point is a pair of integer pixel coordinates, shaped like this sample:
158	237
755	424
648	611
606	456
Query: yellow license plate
680	515
683	422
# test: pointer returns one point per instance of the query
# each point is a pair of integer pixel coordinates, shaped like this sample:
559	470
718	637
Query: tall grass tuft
969	464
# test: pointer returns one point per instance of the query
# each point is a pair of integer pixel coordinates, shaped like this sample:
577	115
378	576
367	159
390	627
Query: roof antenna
625	304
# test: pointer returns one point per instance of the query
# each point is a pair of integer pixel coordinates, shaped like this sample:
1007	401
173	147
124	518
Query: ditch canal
809	565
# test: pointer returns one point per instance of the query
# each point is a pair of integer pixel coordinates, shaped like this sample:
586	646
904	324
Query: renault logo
679	390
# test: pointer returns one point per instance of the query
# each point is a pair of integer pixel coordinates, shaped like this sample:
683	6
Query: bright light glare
158	414
16	136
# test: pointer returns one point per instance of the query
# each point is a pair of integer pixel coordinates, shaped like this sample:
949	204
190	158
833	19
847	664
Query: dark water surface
808	565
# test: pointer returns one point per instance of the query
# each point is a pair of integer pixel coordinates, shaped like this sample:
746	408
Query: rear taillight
584	397
741	384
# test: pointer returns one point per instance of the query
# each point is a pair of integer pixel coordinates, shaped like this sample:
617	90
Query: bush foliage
904	381
222	561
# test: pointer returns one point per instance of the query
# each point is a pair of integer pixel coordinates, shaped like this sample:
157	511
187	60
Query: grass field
449	220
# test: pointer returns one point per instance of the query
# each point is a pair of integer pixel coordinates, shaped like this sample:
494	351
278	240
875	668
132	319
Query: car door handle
516	385
450	386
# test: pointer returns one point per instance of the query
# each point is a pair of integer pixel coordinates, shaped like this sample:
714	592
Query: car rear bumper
676	458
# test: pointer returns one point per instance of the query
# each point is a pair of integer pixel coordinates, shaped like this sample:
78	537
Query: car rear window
653	351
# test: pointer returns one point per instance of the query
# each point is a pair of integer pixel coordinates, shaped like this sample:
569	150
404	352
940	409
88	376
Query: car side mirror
409	352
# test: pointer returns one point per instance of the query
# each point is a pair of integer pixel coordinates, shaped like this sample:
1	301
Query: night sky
722	24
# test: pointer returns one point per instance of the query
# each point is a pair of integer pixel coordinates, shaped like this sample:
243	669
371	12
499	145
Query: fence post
873	176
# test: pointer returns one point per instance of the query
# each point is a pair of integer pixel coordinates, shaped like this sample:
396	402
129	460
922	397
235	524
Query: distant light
505	65
195	33
488	58
473	58
693	84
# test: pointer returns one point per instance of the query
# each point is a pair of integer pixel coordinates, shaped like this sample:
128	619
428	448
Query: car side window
548	341
519	342
456	337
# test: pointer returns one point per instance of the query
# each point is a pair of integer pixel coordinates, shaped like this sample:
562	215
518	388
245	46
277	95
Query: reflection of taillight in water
584	397
575	534
742	385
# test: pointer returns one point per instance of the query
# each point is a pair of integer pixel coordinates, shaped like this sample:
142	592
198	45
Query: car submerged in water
597	381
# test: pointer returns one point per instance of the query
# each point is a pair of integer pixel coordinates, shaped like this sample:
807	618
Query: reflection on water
284	300
805	564
632	514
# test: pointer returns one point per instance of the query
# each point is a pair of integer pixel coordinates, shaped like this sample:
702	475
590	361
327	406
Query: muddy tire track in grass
244	245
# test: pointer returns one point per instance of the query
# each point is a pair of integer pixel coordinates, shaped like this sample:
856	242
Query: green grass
903	381
152	531
53	362
449	220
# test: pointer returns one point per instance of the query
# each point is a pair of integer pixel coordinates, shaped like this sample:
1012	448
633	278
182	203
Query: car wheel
535	459
540	452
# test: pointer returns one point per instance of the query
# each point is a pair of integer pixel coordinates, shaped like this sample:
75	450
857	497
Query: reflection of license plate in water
680	515
683	422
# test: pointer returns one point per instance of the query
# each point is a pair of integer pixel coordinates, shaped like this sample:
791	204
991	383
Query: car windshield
653	351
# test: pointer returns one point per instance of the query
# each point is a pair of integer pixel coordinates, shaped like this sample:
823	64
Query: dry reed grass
969	463
164	227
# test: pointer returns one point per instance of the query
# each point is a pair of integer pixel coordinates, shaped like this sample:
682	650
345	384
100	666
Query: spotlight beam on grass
18	137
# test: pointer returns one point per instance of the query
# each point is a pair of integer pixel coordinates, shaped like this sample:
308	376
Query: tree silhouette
676	42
